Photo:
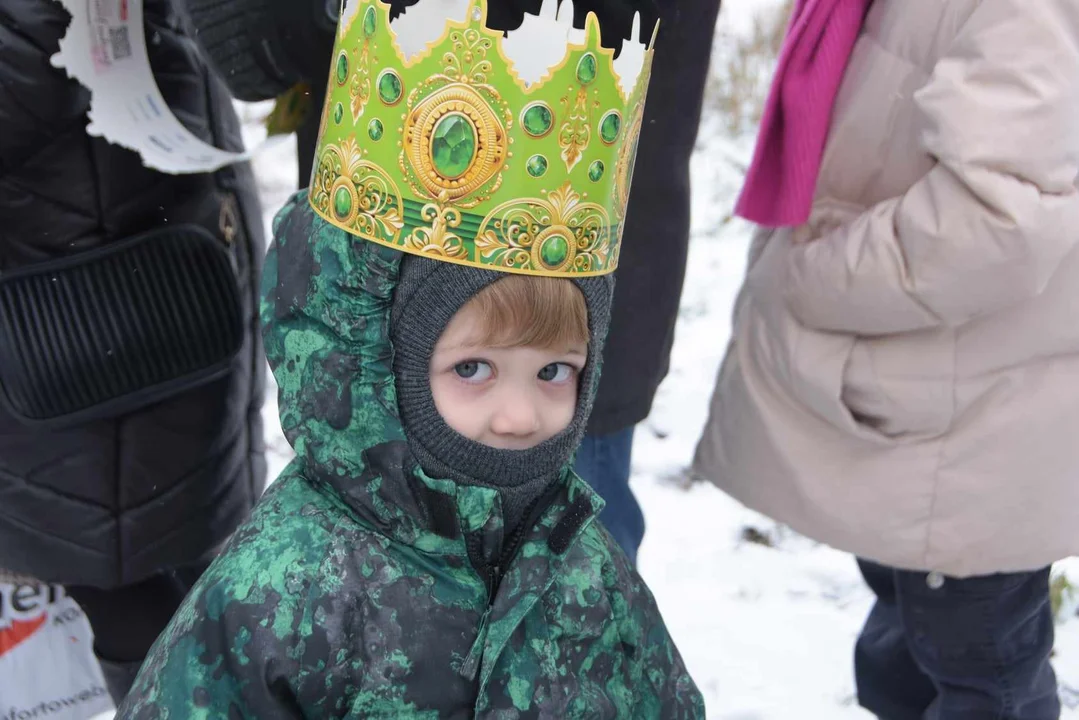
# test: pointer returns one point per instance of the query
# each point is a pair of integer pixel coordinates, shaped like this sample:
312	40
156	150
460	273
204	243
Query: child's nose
517	414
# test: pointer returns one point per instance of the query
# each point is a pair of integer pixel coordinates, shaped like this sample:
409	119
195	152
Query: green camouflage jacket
361	588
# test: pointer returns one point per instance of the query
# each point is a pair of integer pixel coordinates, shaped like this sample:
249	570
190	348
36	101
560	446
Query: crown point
593	32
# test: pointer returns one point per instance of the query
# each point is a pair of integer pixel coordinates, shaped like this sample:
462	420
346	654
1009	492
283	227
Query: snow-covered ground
767	632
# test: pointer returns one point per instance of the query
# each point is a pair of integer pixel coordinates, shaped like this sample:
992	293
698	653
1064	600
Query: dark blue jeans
603	461
972	649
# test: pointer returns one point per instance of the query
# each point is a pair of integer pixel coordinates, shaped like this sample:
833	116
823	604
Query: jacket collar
397	500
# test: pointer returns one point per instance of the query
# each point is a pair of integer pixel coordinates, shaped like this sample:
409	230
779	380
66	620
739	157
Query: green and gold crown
443	138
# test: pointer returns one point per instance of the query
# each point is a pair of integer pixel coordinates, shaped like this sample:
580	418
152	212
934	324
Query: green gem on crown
342	203
609	127
453	146
537	119
389	87
369	22
338	113
536	166
587	69
375	129
342	68
554	250
595	171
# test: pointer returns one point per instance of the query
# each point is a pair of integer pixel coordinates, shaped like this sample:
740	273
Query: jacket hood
326	314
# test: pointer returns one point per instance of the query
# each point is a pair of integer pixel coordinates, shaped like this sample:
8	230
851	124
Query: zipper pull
227	220
470	668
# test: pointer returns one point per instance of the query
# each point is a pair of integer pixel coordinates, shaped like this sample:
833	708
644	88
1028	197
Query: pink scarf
782	178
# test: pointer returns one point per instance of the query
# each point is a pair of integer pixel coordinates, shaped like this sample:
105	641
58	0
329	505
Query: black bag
103	333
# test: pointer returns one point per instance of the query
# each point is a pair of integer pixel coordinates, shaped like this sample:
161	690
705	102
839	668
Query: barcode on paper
120	42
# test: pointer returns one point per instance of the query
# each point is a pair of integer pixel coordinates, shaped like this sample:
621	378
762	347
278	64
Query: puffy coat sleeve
666	689
213	666
990	223
245	643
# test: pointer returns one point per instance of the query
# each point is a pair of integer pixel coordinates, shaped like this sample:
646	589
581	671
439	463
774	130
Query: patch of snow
541	42
418	27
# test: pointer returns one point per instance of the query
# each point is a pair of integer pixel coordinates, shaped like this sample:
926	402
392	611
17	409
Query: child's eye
557	372
473	371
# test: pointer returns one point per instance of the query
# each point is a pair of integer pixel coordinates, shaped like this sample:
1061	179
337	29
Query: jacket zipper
491	574
510	549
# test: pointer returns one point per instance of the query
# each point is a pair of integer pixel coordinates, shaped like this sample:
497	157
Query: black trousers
127	620
970	649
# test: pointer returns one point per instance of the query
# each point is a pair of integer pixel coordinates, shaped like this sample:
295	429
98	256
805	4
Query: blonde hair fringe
529	311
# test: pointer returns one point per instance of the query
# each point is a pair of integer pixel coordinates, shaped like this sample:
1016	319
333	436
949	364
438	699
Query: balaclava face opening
428	295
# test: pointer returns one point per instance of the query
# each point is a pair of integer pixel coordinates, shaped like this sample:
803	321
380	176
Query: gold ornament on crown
358	193
461	94
438	240
559	234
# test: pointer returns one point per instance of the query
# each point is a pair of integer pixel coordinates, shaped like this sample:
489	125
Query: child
903	379
428	553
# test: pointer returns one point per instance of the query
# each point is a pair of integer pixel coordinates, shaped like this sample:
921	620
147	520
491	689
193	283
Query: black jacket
113	501
655	242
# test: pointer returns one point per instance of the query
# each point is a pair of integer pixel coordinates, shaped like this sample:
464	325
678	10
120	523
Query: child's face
506	398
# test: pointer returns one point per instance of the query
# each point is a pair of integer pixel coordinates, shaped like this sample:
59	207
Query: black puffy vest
113	501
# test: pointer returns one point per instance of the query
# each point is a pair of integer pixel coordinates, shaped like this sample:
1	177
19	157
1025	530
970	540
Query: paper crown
441	137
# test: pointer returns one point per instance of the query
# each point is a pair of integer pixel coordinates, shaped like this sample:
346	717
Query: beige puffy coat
903	377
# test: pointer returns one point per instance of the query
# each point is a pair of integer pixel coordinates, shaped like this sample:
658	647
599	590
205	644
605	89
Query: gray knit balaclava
428	295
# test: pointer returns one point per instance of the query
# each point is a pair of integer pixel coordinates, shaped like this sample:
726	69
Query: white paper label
47	666
105	50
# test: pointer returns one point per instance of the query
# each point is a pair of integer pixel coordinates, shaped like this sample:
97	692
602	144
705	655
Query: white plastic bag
47	665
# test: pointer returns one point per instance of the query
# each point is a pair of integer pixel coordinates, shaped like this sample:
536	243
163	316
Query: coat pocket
97	334
885	391
902	386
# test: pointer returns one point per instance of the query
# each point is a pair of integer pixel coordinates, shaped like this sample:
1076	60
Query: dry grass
742	71
1062	596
